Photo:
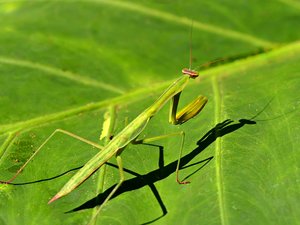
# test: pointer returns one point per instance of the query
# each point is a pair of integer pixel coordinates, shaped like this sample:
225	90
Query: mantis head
192	73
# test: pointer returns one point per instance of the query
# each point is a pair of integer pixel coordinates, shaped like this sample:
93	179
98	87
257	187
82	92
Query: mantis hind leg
44	143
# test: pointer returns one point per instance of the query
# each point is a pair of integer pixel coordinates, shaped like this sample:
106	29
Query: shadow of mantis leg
152	139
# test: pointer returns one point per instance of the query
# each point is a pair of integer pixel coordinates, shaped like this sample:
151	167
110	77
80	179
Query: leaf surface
65	64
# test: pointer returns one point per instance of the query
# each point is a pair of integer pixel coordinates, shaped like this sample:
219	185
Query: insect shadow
149	179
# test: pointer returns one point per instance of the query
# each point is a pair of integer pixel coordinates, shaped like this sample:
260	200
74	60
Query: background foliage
64	63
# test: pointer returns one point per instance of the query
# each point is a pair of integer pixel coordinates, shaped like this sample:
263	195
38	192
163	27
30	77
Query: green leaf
64	64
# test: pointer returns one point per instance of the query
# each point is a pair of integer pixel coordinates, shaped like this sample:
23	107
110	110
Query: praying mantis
129	135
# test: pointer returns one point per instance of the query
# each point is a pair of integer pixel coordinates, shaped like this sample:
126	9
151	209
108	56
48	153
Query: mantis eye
191	73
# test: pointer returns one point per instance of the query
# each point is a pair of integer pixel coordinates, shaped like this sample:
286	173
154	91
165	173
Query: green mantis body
133	129
129	134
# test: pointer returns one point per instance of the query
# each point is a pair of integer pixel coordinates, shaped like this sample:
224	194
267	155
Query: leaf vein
60	73
186	21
